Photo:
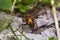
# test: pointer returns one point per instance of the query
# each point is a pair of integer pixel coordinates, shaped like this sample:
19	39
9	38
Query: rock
47	18
44	36
43	20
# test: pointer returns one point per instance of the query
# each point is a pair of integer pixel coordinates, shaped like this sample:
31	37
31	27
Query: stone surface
42	20
44	36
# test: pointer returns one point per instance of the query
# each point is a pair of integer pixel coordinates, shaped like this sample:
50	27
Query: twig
55	18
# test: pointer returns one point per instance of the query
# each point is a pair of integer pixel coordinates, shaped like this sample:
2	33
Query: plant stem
25	36
9	25
12	8
55	18
14	33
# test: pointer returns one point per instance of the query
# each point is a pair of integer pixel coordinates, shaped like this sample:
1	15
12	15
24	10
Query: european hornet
29	17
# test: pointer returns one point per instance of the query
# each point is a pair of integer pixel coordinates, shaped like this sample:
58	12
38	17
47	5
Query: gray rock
42	20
